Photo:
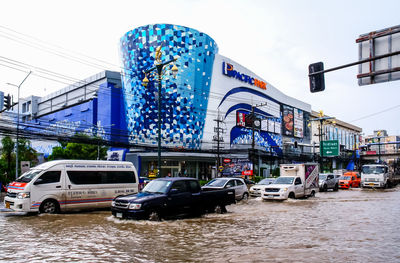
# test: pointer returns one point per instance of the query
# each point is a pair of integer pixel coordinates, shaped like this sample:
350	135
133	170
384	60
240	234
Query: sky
65	41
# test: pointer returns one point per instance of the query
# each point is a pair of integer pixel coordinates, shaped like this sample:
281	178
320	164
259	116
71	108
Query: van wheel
49	207
291	195
245	197
154	216
312	194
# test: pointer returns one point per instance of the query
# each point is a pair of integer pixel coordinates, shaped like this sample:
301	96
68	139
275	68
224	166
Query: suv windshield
373	169
216	182
157	187
28	176
284	180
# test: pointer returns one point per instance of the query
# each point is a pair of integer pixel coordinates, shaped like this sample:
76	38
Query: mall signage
227	70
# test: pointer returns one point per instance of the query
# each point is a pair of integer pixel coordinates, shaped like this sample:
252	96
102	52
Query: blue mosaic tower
184	99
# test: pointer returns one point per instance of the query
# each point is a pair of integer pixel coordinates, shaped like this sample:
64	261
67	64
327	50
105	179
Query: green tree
7	160
79	151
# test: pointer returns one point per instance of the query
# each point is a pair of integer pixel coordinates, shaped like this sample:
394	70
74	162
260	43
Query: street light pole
159	66
16	148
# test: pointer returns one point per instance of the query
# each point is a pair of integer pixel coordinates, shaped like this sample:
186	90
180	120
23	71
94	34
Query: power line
376	113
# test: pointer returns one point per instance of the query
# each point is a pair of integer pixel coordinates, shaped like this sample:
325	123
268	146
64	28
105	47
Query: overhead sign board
329	148
375	44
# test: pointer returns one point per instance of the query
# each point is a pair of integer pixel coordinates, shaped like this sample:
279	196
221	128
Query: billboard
237	167
287	112
298	123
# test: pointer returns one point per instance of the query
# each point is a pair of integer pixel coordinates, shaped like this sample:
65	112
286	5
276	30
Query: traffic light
7	102
317	82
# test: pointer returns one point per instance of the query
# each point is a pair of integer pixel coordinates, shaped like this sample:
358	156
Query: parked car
255	190
328	181
349	180
238	184
166	197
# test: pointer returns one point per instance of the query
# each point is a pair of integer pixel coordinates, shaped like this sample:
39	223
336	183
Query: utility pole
218	138
253	144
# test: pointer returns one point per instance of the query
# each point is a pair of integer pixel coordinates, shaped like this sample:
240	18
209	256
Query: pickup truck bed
166	197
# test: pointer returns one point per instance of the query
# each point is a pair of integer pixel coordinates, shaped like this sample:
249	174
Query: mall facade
214	107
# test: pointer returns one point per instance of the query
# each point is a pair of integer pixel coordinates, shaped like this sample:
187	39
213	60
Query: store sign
246	120
227	70
329	148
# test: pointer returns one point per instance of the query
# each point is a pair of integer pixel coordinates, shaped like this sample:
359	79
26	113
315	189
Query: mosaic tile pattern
184	99
269	141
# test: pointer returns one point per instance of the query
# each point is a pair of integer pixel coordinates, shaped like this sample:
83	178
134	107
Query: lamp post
16	149
159	68
321	119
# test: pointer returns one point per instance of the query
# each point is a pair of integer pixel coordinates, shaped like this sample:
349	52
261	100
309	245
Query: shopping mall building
213	107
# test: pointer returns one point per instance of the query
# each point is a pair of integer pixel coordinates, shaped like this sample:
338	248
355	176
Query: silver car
238	184
328	181
255	190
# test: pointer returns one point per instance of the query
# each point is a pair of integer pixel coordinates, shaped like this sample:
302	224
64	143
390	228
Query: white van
71	185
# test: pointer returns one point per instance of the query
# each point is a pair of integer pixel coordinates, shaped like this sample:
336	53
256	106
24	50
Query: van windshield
373	169
157	187
284	180
28	176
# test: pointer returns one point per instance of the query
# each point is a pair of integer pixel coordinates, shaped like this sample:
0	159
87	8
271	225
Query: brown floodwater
346	226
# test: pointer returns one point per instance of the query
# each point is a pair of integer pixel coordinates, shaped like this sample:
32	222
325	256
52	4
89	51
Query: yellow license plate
8	205
371	184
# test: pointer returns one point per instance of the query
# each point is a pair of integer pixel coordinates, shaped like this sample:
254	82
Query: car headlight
135	206
112	203
23	195
284	189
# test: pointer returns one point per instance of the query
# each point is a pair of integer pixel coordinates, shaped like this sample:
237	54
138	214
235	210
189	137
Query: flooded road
346	226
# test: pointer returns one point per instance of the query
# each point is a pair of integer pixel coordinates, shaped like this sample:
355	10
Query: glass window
180	186
298	181
101	177
231	183
194	187
239	182
49	177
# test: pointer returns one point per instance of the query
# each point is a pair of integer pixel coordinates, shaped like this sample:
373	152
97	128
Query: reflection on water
346	226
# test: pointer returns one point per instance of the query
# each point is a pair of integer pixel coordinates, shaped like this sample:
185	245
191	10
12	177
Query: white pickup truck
295	181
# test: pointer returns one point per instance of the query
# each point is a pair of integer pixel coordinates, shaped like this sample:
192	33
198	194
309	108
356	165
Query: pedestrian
169	175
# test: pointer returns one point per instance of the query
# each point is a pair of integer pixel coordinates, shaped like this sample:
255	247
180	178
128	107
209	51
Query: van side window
101	177
49	177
